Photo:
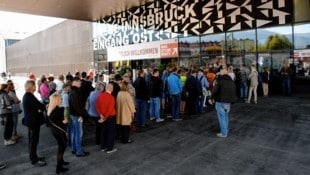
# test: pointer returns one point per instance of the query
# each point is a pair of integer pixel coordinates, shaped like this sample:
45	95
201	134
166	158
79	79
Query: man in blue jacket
175	90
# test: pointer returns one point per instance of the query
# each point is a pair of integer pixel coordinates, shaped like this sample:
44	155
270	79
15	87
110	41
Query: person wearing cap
6	104
77	113
224	93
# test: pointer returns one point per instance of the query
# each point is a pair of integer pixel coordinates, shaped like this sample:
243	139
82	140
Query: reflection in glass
276	38
212	48
302	36
189	46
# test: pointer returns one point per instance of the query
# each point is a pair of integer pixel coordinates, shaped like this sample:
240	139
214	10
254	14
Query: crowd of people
121	105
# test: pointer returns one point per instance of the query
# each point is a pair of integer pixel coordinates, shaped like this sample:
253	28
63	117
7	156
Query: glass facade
265	38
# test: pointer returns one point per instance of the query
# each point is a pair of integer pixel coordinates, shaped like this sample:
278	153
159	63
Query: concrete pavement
271	137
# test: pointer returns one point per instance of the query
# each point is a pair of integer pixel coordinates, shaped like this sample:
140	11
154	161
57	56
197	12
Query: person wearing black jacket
86	88
77	113
155	91
58	126
33	119
224	93
142	97
193	92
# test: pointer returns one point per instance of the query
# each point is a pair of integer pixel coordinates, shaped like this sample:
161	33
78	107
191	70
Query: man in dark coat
193	92
224	93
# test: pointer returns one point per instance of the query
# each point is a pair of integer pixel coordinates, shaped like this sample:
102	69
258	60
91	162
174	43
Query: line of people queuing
117	106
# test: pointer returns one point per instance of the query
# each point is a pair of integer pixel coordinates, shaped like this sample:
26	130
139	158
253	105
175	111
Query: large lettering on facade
166	19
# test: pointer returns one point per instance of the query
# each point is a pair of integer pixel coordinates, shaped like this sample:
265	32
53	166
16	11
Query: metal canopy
88	10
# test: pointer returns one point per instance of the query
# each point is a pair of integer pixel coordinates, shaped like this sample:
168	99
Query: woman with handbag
58	126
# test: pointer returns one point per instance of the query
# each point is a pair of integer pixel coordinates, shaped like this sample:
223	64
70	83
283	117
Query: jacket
6	103
174	84
224	89
253	77
33	110
76	107
105	105
93	96
125	108
155	87
141	89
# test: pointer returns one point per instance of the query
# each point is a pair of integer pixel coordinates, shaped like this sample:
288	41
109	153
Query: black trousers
8	125
125	129
108	133
33	140
98	129
62	143
192	104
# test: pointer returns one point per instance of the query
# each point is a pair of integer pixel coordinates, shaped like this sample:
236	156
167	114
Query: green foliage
276	42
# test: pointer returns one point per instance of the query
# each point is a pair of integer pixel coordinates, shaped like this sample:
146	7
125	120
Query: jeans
222	110
108	133
155	108
8	126
76	135
33	141
175	105
141	106
253	89
243	90
15	121
201	103
286	87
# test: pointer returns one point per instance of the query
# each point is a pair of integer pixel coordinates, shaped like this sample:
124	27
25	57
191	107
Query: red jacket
105	105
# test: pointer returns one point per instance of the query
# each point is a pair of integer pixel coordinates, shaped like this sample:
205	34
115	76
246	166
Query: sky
20	26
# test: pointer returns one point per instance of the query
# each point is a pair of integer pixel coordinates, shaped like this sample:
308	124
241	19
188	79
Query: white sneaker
9	142
112	151
169	116
220	135
159	120
152	118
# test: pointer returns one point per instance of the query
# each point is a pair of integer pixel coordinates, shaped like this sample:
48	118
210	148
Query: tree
276	42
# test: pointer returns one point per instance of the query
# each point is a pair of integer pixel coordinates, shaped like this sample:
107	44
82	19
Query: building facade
65	47
269	33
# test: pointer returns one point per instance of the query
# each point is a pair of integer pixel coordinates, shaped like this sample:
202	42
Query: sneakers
247	101
177	119
16	137
39	163
169	116
152	118
2	166
220	135
159	120
112	151
9	142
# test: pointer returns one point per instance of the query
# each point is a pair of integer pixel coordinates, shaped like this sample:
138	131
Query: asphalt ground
271	137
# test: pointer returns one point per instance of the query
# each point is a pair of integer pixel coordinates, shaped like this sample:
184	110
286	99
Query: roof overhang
88	10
